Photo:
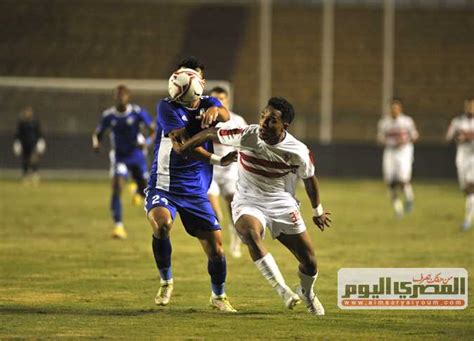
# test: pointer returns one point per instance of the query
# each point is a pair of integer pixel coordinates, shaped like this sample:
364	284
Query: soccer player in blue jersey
179	185
126	122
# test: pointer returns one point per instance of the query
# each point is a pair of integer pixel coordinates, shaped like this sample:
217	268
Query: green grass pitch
61	275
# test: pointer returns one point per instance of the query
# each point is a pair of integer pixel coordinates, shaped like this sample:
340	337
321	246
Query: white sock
469	208
269	269
307	284
166	282
408	191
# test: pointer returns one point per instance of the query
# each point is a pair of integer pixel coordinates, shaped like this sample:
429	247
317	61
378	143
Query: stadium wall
144	39
336	160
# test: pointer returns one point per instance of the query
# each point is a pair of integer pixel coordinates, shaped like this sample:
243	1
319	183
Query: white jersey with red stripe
229	173
393	132
464	125
269	171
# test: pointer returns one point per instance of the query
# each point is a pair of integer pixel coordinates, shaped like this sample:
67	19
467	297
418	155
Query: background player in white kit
224	179
461	130
270	162
397	132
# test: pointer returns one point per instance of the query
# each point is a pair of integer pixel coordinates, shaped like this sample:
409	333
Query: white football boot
312	303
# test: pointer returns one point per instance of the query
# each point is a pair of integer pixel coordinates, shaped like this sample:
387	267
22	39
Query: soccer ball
185	86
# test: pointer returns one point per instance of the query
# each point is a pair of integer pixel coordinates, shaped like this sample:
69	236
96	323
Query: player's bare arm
320	217
96	137
182	144
214	114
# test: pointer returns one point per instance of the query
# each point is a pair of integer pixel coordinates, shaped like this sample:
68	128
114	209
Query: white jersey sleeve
306	168
231	137
453	129
412	129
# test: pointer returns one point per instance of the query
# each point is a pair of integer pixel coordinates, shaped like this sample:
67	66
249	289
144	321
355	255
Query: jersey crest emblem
130	121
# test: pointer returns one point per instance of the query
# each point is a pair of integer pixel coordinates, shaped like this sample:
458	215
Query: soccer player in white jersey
270	162
397	132
224	179
461	130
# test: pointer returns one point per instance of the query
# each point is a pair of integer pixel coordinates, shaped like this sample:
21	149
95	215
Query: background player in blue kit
126	122
180	184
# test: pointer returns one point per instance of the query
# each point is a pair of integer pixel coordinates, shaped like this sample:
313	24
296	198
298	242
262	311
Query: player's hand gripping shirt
125	128
268	170
394	132
170	171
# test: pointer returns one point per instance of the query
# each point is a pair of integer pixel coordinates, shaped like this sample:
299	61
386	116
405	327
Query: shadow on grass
24	310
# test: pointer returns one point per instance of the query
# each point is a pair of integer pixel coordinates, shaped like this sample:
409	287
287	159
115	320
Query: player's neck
277	140
121	108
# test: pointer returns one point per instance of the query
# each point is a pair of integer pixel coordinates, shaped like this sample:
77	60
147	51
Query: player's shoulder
136	108
406	117
166	104
292	142
109	112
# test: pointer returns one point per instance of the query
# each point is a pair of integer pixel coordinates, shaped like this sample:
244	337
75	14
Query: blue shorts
195	211
134	163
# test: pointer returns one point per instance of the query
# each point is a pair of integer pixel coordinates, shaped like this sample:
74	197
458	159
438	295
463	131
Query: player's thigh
250	226
388	165
404	170
301	246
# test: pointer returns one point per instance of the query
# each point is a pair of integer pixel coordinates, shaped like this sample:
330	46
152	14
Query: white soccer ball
185	85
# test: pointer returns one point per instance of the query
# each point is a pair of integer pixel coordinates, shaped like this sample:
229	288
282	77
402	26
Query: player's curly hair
285	107
191	62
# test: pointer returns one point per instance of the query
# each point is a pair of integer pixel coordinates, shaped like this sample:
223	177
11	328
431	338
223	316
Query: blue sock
116	207
162	253
217	268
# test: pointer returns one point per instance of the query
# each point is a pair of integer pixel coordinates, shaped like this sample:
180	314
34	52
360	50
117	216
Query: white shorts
397	164
223	182
465	167
279	217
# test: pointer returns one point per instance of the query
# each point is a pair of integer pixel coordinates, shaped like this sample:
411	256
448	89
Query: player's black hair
285	107
220	90
396	100
191	62
122	87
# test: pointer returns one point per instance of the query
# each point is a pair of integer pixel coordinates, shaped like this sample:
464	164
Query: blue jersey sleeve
145	118
167	118
103	125
213	102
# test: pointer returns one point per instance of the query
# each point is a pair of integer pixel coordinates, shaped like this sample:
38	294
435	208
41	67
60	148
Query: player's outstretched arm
320	217
96	141
213	114
208	134
190	147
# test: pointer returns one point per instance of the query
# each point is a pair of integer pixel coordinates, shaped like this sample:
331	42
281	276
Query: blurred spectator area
434	48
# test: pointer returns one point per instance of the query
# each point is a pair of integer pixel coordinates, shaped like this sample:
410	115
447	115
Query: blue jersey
125	127
170	171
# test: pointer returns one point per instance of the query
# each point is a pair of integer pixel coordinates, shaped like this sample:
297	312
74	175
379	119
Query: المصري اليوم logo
402	288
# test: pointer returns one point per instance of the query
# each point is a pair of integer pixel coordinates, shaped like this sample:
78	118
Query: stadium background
144	39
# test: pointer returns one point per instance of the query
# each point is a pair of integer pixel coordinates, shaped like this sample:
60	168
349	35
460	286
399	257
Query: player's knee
161	225
217	252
